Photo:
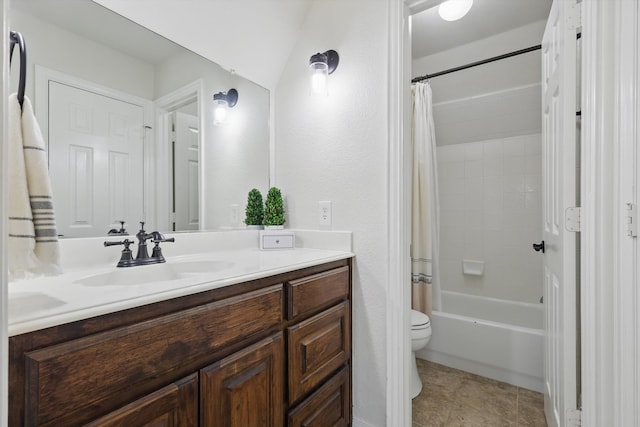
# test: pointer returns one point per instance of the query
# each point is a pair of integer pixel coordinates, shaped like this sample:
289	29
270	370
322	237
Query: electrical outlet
235	214
324	213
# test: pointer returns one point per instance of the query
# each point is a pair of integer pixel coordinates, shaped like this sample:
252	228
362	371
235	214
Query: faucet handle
121	231
125	242
157	237
170	239
157	251
126	259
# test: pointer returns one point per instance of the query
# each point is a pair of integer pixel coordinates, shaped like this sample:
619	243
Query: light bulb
452	10
220	112
319	74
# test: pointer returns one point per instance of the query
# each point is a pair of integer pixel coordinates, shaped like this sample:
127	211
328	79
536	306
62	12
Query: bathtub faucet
142	256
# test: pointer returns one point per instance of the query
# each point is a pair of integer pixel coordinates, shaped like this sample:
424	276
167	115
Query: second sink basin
140	275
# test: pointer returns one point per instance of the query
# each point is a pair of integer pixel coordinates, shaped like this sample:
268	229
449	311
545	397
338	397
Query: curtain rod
474	64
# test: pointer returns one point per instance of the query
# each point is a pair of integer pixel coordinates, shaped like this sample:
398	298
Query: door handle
539	246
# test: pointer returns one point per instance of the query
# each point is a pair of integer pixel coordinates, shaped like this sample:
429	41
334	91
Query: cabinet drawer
172	406
317	347
310	294
328	407
80	379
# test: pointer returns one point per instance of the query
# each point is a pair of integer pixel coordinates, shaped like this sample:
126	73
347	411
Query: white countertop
75	295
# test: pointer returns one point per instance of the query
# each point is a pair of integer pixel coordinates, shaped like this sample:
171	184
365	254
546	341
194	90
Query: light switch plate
277	239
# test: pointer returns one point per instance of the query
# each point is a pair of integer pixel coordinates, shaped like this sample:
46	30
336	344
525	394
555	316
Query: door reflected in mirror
128	119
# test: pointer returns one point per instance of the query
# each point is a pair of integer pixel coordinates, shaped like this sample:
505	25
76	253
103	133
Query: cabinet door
318	347
329	406
171	406
245	389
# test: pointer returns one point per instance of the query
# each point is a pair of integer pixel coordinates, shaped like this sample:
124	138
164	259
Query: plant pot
273	227
255	227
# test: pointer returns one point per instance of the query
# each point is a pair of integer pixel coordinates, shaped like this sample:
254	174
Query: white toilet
420	335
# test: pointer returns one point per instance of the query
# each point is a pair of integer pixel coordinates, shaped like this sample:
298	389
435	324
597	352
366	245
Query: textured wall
491	210
336	149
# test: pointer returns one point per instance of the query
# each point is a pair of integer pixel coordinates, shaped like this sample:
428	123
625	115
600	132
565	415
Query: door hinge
632	220
572	219
574	417
172	217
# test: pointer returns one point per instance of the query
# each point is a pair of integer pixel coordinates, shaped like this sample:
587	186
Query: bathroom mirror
154	96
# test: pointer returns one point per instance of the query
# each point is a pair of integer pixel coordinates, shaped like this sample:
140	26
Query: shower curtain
425	280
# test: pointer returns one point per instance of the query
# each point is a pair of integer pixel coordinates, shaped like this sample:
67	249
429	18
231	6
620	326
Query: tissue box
277	239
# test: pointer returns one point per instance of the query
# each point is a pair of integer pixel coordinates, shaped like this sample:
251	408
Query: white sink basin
140	275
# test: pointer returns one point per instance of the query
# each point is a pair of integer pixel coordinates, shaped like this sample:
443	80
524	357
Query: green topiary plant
274	208
255	209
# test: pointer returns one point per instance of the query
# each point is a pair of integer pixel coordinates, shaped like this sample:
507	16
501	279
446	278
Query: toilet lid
419	319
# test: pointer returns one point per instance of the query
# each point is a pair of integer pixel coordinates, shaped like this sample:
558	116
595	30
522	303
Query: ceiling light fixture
322	64
223	101
452	10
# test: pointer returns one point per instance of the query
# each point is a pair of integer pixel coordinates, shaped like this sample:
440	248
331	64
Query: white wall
262	33
490	210
495	100
236	154
336	149
61	50
511	72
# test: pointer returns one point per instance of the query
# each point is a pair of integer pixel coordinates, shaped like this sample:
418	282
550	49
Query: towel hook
16	38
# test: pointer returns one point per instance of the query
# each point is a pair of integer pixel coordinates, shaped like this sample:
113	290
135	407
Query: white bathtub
494	338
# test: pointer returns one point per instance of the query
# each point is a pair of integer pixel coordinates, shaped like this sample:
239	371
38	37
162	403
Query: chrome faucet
142	257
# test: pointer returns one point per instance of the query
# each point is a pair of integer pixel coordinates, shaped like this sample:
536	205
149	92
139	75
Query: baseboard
357	422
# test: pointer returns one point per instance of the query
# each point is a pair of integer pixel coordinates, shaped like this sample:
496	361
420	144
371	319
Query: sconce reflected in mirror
322	64
223	101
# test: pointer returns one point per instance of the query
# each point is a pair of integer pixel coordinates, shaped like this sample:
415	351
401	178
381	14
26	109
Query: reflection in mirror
128	119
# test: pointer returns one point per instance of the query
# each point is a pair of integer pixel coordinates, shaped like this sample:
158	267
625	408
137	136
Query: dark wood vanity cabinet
269	352
175	405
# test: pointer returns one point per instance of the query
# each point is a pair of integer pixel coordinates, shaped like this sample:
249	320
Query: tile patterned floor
455	398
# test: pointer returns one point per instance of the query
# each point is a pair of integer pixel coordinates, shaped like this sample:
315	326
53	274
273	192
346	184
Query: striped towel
33	240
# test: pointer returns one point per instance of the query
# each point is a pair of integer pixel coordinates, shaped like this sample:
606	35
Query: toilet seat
419	320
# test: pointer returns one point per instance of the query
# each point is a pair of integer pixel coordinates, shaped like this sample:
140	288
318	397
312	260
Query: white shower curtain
425	235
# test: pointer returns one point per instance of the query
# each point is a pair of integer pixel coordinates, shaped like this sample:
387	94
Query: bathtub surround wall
488	125
490	196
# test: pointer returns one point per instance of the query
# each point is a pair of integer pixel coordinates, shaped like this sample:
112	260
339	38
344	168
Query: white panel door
95	160
185	178
559	193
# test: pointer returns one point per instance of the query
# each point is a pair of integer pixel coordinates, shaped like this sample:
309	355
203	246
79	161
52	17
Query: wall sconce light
322	64
222	102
